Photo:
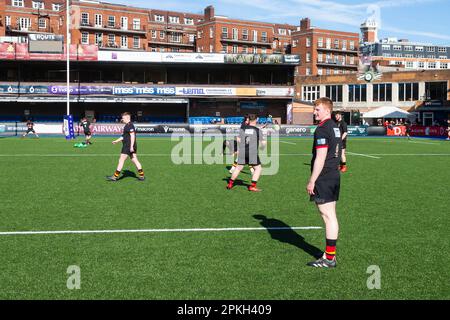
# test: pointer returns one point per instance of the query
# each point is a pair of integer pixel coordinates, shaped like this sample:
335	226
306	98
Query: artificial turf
394	213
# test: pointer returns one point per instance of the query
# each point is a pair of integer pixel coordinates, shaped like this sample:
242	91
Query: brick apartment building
221	34
325	52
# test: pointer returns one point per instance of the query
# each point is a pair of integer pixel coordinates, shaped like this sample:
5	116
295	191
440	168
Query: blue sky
417	20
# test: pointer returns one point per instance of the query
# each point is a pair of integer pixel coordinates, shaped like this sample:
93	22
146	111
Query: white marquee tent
387	113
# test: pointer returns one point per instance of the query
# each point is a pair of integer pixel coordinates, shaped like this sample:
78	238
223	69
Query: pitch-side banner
431	131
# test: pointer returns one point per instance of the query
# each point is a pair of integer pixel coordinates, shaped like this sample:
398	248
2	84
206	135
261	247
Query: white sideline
362	155
18	233
373	155
286	142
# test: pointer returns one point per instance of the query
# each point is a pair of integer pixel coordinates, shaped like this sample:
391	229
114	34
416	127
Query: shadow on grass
128	174
287	235
237	182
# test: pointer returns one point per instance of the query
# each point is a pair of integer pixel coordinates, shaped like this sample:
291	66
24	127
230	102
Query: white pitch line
19	233
363	155
292	143
423	142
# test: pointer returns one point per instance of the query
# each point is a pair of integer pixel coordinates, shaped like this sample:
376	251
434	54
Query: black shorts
327	187
29	130
247	158
126	150
344	144
87	133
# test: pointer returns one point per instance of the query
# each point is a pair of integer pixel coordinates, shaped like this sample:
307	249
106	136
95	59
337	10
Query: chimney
209	13
305	24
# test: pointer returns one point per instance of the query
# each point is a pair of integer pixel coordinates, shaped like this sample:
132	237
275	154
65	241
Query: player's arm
133	139
118	140
344	135
319	163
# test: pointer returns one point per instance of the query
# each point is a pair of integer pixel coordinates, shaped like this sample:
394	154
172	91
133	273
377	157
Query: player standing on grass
30	129
86	129
233	144
324	183
344	133
129	148
448	129
249	140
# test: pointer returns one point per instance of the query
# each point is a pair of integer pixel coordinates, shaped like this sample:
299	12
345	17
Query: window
255	50
431	65
37	5
56	7
255	36
153	34
235	49
136	42
442	50
24	23
136	24
408	48
192	38
98	39
308	71
308	57
357	93
320	42
175	37
352	45
397	48
245	49
387	55
84	19
408	55
211	32
444	65
328	44
282	31
84	38
419	49
334	93
263	51
352	60
245	34
308	42
17	3
336	44
320	71
111	40
124	42
294	43
382	92
443	57
199	34
319	57
174	19
124	23
162	35
189	21
111	21
159	18
431	49
311	93
235	34
409	65
436	90
98	20
264	36
42	23
153	49
344	44
7	20
398	55
408	91
225	48
386	47
224	33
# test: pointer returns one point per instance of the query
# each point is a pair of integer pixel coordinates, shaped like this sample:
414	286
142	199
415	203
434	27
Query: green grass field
394	213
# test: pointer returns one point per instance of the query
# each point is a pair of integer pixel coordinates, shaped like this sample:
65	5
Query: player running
85	124
408	130
324	183
129	148
342	125
249	140
30	129
232	146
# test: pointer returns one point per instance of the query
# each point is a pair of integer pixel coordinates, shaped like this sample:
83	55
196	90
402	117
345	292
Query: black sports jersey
328	135
127	130
342	127
250	137
30	125
85	124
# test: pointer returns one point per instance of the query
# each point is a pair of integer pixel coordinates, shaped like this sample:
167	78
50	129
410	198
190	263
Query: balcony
116	47
336	63
22	30
242	40
348	51
109	28
185	44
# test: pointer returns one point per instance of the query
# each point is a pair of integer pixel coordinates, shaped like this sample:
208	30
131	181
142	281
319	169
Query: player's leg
234	176
344	160
138	165
255	177
123	157
235	163
35	134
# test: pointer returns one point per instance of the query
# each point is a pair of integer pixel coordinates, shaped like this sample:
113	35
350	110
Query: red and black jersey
328	135
127	130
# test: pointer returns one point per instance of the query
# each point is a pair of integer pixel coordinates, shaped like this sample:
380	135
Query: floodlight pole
68	40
